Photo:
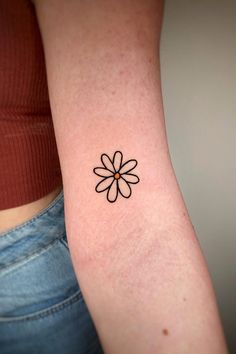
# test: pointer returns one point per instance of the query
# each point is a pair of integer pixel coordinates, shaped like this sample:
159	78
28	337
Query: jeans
42	310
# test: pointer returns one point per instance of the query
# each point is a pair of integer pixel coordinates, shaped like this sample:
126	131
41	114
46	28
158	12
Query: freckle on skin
121	72
113	92
165	332
184	298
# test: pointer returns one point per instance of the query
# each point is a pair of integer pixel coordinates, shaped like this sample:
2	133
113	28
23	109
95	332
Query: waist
10	218
33	235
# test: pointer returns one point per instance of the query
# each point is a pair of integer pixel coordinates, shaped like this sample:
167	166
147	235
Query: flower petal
130	178
112	192
117	160
104	184
103	172
124	188
107	162
128	166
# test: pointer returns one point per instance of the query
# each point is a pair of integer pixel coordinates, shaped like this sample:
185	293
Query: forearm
137	260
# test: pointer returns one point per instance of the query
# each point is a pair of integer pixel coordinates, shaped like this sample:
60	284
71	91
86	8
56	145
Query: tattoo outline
116	176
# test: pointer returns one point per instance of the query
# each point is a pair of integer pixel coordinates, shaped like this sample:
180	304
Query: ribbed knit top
29	163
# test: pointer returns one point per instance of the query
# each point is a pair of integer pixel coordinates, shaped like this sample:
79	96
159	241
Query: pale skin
9	218
138	262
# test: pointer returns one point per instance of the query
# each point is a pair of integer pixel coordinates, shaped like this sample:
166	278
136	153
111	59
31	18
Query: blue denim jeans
42	310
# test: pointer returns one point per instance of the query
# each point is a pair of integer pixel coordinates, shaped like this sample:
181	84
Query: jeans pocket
43	284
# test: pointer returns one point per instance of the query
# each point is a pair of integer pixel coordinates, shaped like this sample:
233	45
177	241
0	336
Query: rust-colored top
29	163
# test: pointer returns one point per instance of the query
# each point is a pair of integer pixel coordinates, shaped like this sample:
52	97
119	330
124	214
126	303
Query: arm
139	265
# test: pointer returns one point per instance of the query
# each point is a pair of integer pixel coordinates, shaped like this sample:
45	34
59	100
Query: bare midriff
10	218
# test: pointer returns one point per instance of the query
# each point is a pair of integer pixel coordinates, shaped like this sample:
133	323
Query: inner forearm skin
139	265
137	260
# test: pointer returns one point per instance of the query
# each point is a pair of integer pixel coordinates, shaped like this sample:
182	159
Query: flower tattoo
116	176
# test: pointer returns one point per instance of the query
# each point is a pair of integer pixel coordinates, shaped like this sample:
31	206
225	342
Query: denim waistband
34	234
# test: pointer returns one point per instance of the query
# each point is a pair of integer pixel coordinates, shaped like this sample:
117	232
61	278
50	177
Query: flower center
117	175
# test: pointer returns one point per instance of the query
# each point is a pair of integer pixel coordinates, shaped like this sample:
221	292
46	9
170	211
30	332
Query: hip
42	309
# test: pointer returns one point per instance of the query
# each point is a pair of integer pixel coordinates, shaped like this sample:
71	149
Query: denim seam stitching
28	222
43	313
34	254
64	242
